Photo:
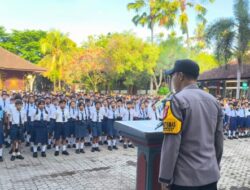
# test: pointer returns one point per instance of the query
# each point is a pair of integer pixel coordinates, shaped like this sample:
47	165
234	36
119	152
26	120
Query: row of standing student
43	123
237	120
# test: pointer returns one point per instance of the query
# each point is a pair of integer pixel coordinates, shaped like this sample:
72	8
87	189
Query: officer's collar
191	86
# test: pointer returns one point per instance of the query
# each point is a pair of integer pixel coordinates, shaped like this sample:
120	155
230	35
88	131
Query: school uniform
30	109
241	115
52	116
1	127
105	119
233	125
96	118
40	120
18	119
155	114
143	114
248	118
72	121
129	115
61	129
80	127
112	114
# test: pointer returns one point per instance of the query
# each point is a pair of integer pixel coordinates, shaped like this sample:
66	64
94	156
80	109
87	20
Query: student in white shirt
61	129
72	123
51	127
80	128
97	115
40	120
18	119
1	134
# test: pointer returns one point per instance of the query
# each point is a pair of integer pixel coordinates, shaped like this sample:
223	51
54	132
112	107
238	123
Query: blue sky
80	18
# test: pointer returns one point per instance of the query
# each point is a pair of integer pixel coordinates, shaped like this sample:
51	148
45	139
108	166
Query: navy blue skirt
104	125
233	123
110	128
71	126
81	129
248	122
40	132
1	134
61	131
96	129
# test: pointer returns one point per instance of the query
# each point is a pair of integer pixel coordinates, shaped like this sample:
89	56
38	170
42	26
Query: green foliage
23	43
163	91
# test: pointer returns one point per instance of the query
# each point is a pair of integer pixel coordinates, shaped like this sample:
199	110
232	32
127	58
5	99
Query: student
30	108
96	117
40	120
80	128
233	122
61	132
88	109
18	118
52	123
112	134
129	115
143	112
154	113
105	108
1	134
72	123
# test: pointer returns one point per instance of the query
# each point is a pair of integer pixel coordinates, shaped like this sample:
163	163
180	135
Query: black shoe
77	151
54	145
109	148
1	159
49	147
115	147
105	142
20	157
69	146
12	158
56	153
97	149
82	151
74	145
43	154
38	148
121	141
85	144
131	146
125	146
11	151
27	144
35	155
100	143
65	153
92	149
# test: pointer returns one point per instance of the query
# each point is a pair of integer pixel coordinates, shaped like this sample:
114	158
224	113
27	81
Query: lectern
148	139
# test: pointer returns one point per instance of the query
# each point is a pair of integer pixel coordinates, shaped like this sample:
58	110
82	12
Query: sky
81	18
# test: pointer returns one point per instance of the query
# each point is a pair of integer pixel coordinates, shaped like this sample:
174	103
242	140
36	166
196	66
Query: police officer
193	133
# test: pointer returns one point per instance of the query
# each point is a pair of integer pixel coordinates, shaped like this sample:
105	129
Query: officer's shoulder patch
171	124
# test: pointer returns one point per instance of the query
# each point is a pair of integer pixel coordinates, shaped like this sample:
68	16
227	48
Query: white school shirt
88	111
59	115
143	113
112	114
120	111
105	111
30	108
155	115
52	111
5	104
129	115
81	115
37	115
232	113
15	116
94	115
72	113
240	112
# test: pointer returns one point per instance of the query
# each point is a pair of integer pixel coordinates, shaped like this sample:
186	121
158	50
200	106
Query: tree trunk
238	77
152	41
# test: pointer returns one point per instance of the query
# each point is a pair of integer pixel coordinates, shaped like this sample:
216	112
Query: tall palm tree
57	48
231	36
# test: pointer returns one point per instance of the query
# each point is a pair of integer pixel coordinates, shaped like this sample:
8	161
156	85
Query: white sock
120	138
125	143
44	148
77	146
109	142
49	141
114	142
82	145
64	148
28	138
68	139
100	138
18	154
130	143
34	148
96	145
87	139
14	153
229	133
93	145
8	139
105	138
57	148
234	132
1	152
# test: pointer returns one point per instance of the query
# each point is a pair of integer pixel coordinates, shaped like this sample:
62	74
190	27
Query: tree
152	12
231	36
23	43
58	50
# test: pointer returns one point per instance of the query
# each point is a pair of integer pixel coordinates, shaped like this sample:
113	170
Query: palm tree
57	48
231	36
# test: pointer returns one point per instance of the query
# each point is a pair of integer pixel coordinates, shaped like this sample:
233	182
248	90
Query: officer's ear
181	76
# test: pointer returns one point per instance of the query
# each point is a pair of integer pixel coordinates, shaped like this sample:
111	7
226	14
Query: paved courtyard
106	170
